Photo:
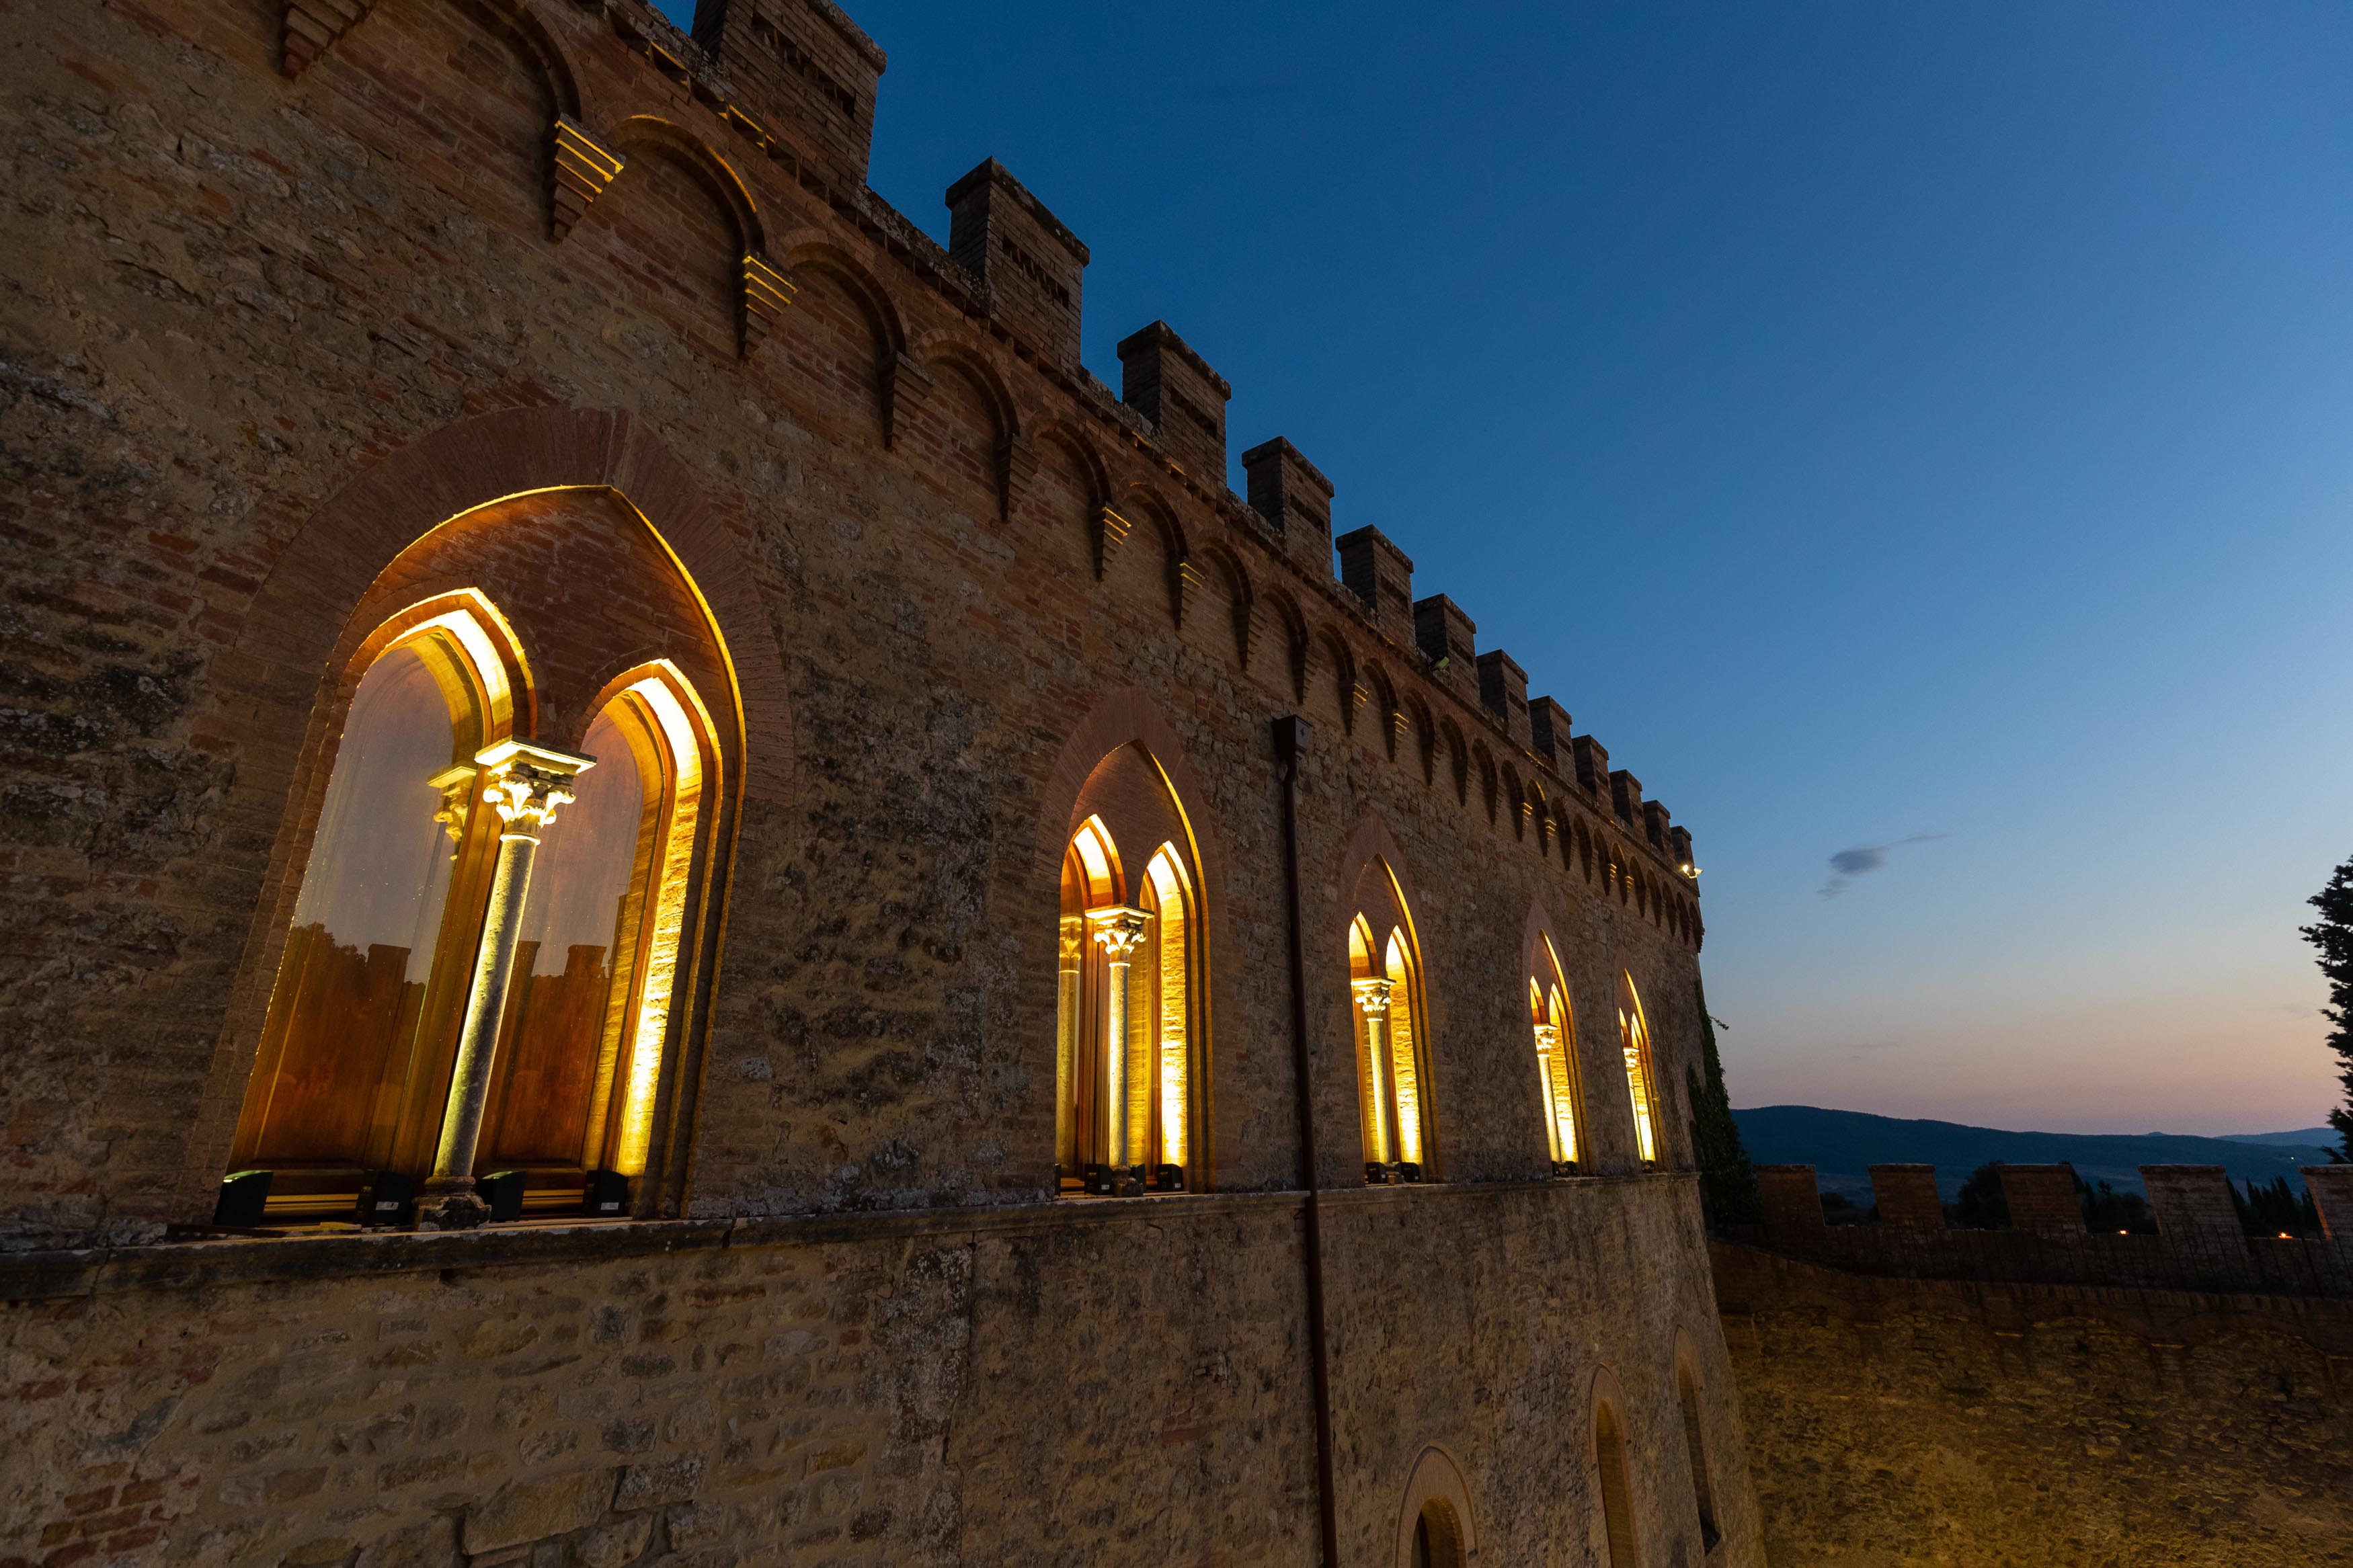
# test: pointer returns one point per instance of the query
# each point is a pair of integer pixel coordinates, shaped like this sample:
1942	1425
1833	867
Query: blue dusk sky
1913	438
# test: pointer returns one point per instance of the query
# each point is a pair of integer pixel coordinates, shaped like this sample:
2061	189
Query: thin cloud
1865	858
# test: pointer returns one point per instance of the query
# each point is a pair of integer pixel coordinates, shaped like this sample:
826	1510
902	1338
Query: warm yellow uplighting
1635	1040
679	736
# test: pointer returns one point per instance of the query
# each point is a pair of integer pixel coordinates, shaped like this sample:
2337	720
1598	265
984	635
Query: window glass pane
345	1012
567	1000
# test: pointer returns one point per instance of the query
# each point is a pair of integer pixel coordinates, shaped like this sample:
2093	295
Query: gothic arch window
1130	996
1617	1499
1437	1538
1687	1399
1641	1083
1393	1085
498	951
1435	1526
588	998
366	1005
1555	1030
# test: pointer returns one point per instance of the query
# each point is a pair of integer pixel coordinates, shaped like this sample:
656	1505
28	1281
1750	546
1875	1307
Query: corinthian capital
1373	995
524	783
1119	929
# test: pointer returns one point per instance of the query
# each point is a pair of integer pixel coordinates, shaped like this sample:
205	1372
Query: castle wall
1894	1420
291	285
984	1387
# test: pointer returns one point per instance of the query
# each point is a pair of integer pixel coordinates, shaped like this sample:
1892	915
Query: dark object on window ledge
243	1195
1171	1178
502	1190
1408	1171
1564	1167
386	1197
1097	1181
604	1195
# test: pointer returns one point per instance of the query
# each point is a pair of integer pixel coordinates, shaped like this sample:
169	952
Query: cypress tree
1728	1182
2332	933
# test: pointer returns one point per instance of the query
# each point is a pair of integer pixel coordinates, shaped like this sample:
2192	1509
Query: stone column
524	783
1564	1148
1120	931
1073	946
1373	1001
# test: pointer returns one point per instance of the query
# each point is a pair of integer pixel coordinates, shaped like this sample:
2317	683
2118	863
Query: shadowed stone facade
607	318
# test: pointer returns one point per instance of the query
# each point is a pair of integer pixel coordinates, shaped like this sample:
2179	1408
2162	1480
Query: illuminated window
1128	1013
1392	1065
365	1012
580	1043
1634	1042
1555	1042
495	954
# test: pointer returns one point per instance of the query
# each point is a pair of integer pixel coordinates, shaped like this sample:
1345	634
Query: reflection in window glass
349	1003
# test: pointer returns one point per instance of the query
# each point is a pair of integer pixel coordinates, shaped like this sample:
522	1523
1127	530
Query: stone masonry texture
1980	1425
288	284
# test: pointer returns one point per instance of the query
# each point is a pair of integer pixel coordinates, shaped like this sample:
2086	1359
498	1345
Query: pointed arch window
1129	1000
1617	1497
1696	1447
1555	1028
1641	1085
1392	1061
364	1011
482	959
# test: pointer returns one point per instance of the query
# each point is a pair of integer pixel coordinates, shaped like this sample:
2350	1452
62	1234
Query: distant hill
2302	1137
1842	1146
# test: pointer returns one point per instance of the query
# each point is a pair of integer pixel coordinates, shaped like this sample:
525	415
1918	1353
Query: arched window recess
479	971
1555	1030
1641	1084
1130	996
1392	1062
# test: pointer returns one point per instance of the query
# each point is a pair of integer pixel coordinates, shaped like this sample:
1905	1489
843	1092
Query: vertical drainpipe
1291	736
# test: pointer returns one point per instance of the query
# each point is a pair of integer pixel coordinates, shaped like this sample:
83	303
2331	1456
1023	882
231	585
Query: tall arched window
497	947
1617	1500
1556	1040
588	998
1695	1447
1642	1087
1129	999
1392	1058
1437	1539
365	1012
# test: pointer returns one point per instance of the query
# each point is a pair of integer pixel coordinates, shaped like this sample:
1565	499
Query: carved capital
767	293
525	784
1548	1038
580	170
1119	929
307	27
455	787
1373	996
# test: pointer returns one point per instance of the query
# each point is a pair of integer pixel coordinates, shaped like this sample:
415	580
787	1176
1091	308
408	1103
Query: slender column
1549	1055
1373	1001
1073	945
524	783
1120	931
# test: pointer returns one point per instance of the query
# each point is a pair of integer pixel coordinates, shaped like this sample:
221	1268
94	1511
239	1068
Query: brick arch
1128	715
336	554
1082	450
1436	1478
528	32
814	249
707	168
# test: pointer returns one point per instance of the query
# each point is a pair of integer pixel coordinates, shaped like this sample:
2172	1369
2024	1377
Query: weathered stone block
524	1511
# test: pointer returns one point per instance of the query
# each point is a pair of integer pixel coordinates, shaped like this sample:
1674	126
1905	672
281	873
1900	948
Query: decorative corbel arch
1386	714
1292	627
1242	596
763	292
900	382
944	348
1141	503
1349	691
1458	760
1436	1486
1484	760
1425	737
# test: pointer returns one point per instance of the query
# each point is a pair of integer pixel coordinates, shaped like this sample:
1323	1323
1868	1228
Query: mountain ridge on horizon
1842	1146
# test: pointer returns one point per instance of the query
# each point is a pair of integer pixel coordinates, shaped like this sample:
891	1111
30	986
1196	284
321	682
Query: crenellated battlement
2200	1243
776	101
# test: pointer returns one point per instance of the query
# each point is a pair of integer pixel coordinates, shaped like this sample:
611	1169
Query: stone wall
1917	1421
1005	1385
